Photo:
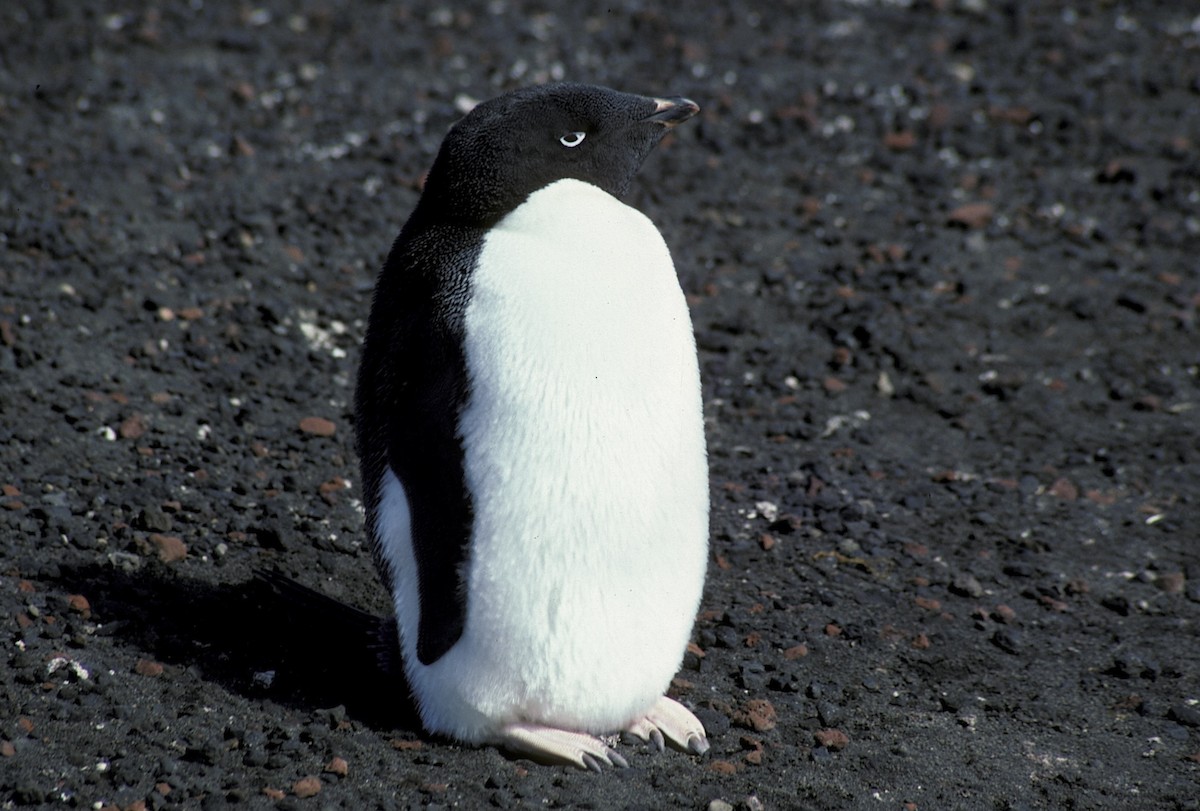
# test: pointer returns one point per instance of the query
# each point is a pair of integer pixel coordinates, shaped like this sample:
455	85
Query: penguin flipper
552	745
412	388
670	719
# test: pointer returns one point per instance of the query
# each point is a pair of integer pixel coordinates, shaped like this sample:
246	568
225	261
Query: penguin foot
671	720
552	745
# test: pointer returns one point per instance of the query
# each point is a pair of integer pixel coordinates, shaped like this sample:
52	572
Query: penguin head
508	147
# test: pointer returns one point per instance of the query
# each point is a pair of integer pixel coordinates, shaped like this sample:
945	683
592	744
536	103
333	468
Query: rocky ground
942	258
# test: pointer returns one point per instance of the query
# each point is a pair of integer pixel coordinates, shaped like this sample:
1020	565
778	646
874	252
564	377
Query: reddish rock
757	714
7	749
338	766
145	667
307	787
723	767
832	739
131	427
1064	489
79	604
329	490
971	215
1002	613
170	548
317	426
795	652
900	141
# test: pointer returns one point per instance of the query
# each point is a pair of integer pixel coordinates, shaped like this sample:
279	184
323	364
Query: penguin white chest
584	456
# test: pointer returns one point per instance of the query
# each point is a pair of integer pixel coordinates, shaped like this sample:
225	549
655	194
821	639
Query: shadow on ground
268	637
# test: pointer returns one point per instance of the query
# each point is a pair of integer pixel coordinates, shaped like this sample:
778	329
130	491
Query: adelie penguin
530	430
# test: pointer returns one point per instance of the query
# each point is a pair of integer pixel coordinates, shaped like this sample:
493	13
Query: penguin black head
513	145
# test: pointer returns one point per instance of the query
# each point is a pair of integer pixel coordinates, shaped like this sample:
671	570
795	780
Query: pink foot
670	719
552	745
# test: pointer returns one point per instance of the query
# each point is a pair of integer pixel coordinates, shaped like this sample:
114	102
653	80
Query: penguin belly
584	456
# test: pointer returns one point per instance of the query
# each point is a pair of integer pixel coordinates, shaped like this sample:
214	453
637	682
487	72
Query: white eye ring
572	139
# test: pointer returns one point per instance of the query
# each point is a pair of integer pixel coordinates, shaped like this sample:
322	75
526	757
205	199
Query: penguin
531	437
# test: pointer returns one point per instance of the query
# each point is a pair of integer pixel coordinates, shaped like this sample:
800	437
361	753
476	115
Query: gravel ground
942	259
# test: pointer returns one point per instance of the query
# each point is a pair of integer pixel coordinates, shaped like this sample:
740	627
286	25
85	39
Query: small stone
153	519
795	652
145	667
317	426
757	714
966	585
971	215
1187	715
928	603
80	605
132	427
1063	488
720	805
832	739
7	749
170	548
1171	582
900	141
1008	640
306	787
329	490
723	767
1002	613
338	766
273	793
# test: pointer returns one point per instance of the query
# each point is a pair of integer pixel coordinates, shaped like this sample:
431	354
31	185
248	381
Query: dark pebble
1008	640
728	637
715	724
1186	714
153	519
965	585
831	714
752	676
822	755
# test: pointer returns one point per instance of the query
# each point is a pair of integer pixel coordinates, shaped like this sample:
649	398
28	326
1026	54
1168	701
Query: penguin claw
560	746
671	720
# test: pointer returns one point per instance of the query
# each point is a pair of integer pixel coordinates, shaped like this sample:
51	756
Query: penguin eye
572	139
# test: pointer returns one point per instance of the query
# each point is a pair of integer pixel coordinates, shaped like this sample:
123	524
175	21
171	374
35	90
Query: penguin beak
673	111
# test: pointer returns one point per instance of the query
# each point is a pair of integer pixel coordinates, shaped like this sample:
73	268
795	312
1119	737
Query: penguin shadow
268	638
